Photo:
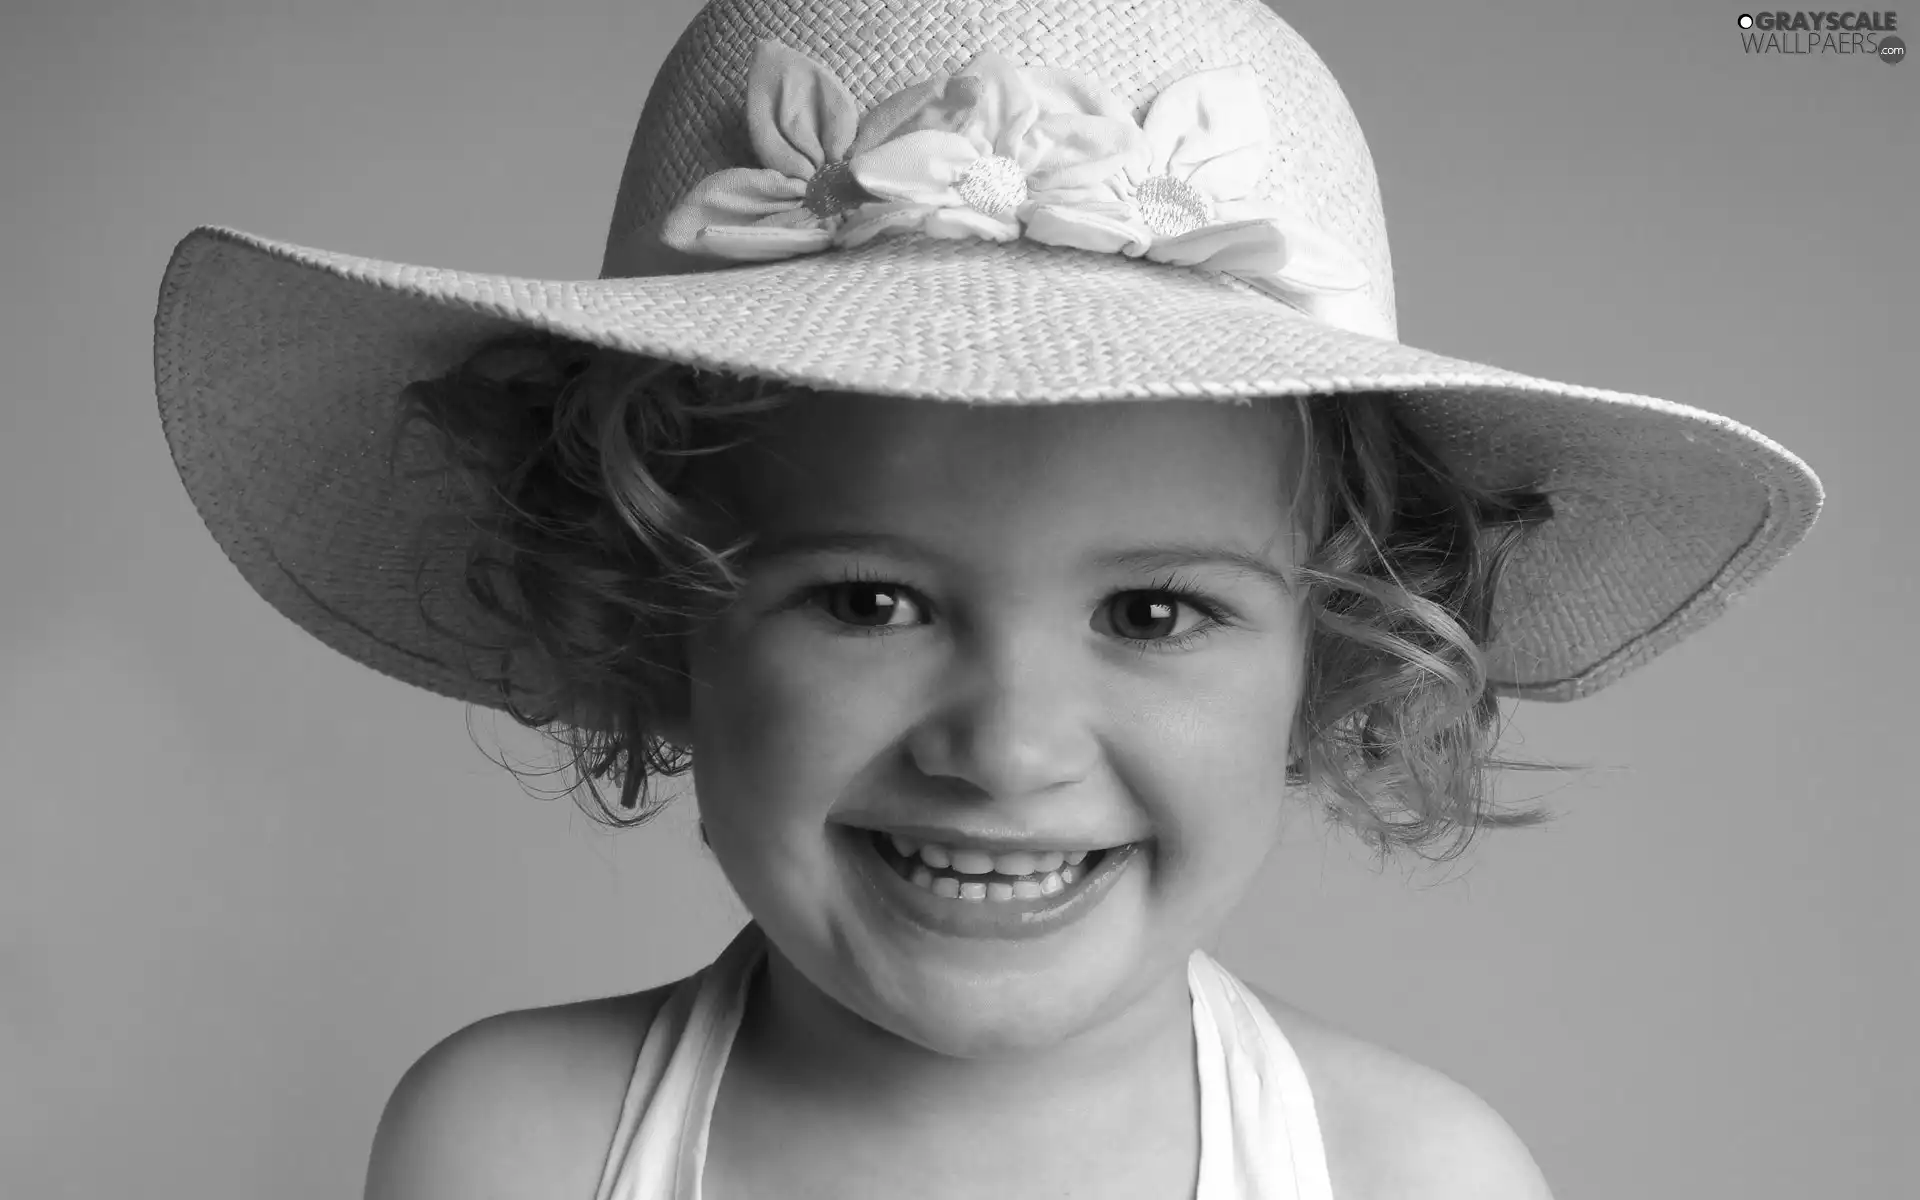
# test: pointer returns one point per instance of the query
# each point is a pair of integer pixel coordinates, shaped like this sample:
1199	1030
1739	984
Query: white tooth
1069	874
946	886
1027	889
1019	862
999	891
923	877
1052	884
935	855
973	889
906	846
972	862
1050	861
1077	857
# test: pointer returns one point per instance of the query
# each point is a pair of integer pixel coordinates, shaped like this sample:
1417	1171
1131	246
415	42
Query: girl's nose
1017	727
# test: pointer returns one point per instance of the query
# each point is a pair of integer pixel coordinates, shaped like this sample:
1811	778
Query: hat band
1000	152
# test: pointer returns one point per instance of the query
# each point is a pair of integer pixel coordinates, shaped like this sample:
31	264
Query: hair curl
593	553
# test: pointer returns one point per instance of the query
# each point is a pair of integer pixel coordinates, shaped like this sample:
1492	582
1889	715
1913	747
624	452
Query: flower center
1171	206
831	191
995	185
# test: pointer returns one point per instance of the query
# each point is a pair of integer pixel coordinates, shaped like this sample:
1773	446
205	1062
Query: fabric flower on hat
803	123
970	155
1185	197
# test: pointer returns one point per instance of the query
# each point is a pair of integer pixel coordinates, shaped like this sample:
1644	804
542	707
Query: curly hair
592	547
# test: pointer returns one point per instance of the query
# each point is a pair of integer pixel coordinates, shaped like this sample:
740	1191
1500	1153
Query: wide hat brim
278	367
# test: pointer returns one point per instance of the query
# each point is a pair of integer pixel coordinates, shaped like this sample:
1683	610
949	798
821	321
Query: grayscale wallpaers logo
1867	34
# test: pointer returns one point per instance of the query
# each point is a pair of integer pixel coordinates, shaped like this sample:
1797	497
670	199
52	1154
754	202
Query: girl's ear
673	719
1299	741
677	731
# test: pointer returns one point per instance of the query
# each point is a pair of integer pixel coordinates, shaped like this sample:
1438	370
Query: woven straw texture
278	366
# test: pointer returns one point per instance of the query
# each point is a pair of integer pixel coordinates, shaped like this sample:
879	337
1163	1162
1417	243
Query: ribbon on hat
999	152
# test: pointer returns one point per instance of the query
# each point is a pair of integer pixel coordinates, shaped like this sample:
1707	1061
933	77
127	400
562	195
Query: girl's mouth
963	893
971	875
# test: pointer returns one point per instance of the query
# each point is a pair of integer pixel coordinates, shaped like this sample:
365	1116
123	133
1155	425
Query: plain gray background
246	882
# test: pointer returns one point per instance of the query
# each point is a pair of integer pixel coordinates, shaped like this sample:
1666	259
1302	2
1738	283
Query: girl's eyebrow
1130	558
767	548
1195	554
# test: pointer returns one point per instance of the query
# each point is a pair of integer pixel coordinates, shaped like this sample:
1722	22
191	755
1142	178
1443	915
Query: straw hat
1022	203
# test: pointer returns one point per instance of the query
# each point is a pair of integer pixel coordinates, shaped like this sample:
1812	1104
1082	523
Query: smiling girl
986	462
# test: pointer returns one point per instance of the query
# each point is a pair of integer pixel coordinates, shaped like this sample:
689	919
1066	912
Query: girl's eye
869	605
1151	619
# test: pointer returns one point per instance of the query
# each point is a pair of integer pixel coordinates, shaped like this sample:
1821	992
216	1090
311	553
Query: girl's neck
796	1041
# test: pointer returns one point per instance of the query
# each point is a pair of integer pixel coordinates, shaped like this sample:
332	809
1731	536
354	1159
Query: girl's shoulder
1394	1127
523	1103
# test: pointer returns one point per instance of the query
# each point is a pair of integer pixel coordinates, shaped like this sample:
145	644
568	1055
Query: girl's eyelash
813	594
1177	586
1173	585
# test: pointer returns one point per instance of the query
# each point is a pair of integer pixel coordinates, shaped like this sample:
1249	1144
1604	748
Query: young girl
987	462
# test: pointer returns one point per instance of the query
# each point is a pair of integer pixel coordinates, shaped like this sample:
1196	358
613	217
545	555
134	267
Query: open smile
965	894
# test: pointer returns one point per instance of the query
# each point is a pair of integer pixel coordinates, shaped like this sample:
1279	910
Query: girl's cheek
781	678
778	699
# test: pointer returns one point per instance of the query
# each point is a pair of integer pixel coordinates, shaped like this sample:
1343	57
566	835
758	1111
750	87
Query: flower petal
1075	150
998	103
795	218
919	167
735	196
761	243
988	104
969	223
1081	130
1241	246
1058	90
1234	211
1086	228
1210	129
799	115
1102	196
869	221
889	117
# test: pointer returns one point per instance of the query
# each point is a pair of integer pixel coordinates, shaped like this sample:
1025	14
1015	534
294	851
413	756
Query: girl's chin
985	1011
1009	1028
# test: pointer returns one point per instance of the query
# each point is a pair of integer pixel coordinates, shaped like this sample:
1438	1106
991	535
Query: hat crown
694	124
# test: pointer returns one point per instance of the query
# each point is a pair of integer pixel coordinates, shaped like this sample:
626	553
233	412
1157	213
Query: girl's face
971	623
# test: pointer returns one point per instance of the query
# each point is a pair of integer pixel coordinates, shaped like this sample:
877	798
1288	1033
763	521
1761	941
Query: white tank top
1259	1137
